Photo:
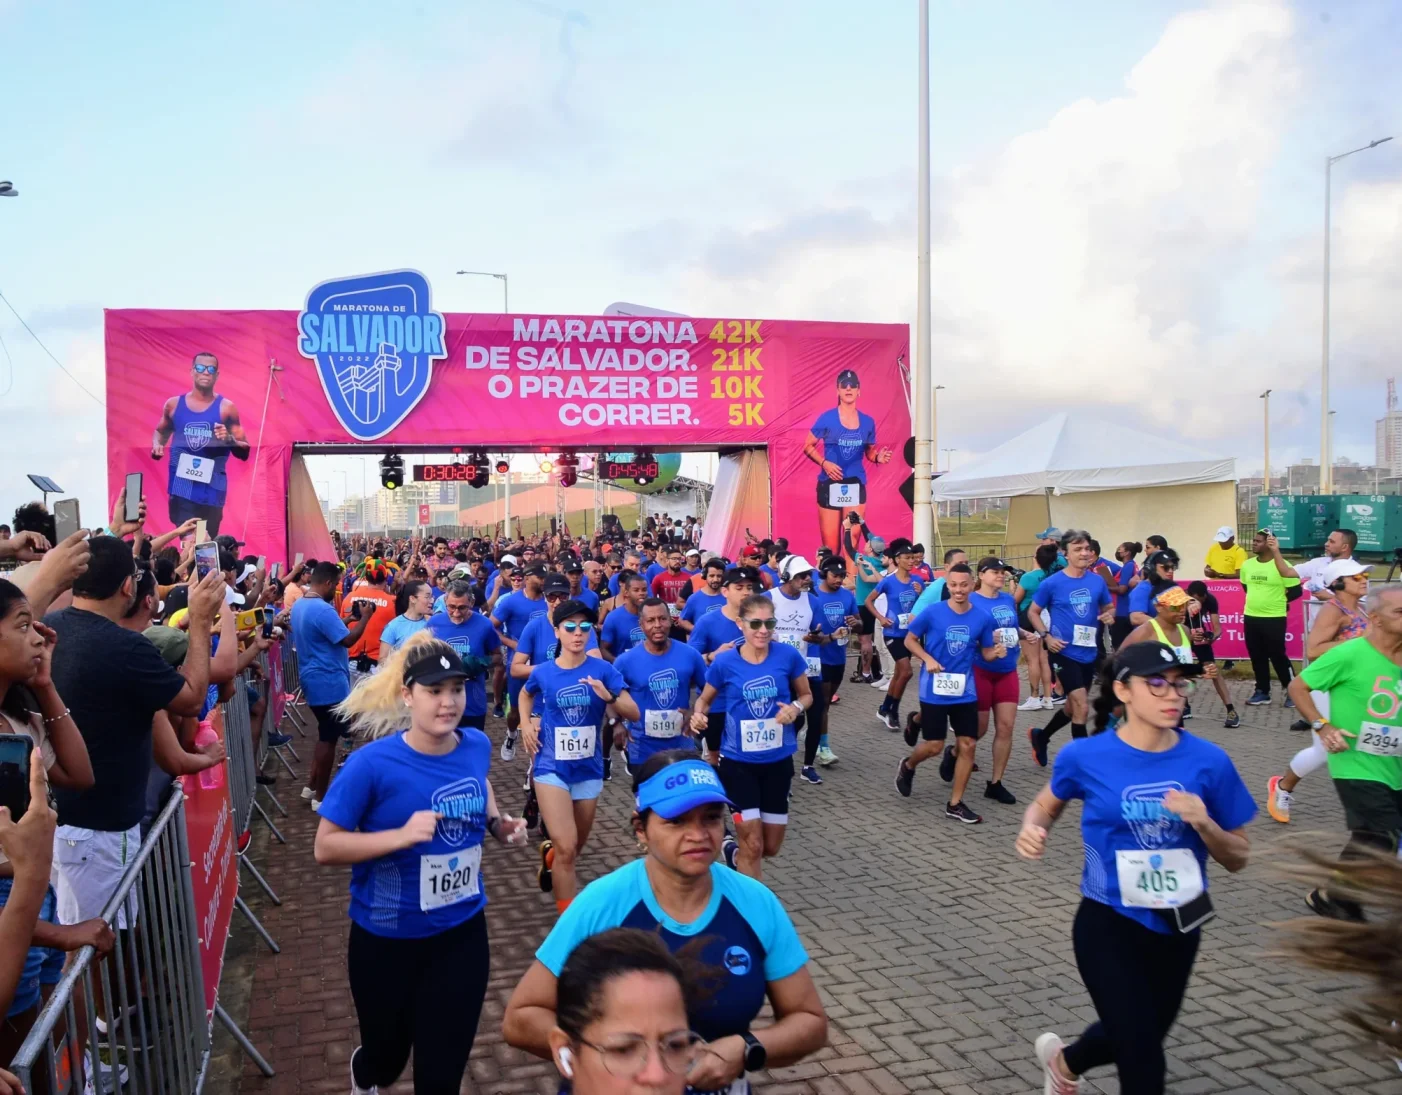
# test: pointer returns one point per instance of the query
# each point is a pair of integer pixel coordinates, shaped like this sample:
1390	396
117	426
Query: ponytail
376	704
1105	702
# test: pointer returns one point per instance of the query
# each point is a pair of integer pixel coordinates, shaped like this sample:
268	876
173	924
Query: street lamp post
505	299
1266	476
923	495
1326	456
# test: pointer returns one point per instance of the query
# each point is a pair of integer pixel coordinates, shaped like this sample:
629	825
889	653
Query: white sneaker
882	685
356	1089
826	756
316	805
1031	703
308	794
1049	1047
1047	704
508	747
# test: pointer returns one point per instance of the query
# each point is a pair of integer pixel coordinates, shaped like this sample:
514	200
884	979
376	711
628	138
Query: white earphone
567	1062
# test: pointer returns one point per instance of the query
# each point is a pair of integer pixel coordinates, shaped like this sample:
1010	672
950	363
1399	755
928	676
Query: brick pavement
940	955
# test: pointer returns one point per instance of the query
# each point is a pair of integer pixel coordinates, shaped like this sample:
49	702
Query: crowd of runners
697	679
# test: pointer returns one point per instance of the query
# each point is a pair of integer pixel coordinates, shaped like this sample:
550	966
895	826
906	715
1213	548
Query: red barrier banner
209	828
1231	634
277	702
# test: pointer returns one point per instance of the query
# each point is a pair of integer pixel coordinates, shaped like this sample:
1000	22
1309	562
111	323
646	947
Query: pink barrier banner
209	829
210	404
1231	642
275	693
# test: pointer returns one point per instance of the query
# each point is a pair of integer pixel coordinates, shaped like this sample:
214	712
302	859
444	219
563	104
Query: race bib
1083	635
662	724
1158	880
1379	740
948	684
844	494
902	620
448	879
815	667
197	469
760	735
1008	636
576	742
1185	655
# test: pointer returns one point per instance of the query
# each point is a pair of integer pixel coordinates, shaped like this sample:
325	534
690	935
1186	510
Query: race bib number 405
1379	739
575	742
1158	880
760	735
448	879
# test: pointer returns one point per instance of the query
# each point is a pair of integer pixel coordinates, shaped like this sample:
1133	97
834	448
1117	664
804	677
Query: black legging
813	719
420	994
1265	642
1136	979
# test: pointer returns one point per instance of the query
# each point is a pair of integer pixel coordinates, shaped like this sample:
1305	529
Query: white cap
793	566
1225	533
694	551
232	597
509	559
1341	568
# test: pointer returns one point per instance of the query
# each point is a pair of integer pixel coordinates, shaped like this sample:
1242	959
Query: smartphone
66	519
263	563
275	573
201	531
298	561
268	626
14	773
134	496
250	619
206	559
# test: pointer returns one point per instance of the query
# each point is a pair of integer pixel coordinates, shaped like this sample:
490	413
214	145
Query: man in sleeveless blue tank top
202	430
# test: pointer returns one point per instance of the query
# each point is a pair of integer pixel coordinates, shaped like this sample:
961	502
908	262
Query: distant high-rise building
1389	434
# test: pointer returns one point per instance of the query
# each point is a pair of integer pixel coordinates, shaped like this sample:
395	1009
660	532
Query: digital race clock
447	473
627	469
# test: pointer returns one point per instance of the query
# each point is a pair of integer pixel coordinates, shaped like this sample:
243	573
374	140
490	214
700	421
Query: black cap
740	574
573	608
556	583
574	566
833	564
1149	660
534	569
228	561
848	379
228	543
992	563
898	546
432	666
175	600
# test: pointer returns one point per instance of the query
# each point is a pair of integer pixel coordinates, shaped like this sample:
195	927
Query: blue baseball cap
680	787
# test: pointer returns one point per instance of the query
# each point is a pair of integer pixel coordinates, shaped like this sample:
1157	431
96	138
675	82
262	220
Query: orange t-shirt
382	611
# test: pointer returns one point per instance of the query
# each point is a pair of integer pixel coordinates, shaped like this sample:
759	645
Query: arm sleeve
612	678
533	684
783	951
1139	598
1230	804
1066	781
348	797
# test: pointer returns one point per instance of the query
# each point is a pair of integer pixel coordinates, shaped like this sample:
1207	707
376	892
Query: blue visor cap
680	787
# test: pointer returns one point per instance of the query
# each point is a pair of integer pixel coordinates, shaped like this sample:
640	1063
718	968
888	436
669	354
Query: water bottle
212	778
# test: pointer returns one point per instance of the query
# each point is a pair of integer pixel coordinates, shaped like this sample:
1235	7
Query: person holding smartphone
202	430
1157	803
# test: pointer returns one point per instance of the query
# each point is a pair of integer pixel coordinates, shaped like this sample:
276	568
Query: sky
1127	198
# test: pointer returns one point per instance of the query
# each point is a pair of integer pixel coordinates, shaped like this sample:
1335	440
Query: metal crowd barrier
157	1036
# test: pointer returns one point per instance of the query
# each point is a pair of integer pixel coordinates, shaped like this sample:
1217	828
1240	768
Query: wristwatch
1319	724
755	1053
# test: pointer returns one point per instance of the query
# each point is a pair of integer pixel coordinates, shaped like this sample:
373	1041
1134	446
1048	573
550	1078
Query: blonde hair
376	704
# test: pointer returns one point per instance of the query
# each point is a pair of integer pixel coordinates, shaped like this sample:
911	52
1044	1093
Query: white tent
1053	475
1061	455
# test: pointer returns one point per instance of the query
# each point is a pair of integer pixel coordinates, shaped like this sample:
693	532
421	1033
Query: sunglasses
762	625
208	369
571	626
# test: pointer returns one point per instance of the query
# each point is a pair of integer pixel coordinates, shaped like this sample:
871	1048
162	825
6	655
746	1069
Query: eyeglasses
628	1056
1162	686
762	625
209	369
571	626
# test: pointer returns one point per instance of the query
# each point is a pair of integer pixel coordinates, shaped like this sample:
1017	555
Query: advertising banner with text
1231	633
209	404
209	829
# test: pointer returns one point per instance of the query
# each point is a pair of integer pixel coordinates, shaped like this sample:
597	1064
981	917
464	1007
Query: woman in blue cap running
840	440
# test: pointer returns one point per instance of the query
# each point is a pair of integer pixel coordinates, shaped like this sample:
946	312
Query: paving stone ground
940	955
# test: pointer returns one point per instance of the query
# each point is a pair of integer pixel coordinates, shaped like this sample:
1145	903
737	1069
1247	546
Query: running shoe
1258	699
608	769
1031	703
810	775
1289	704
1047	704
826	757
905	779
264	780
1037	736
1233	720
858	677
1049	1047
316	805
947	763
623	764
508	746
834	700
962	813
1322	904
276	740
1277	801
356	1089
498	711
308	794
998	793
1228	665
543	878
532	810
1056	699
1300	726
891	720
912	729
1187	711
729	849
881	684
